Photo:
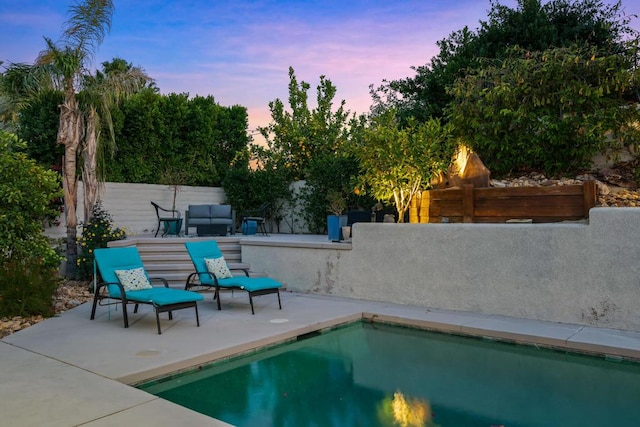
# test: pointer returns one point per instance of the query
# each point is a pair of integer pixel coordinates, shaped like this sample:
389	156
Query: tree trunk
71	271
69	135
402	198
89	167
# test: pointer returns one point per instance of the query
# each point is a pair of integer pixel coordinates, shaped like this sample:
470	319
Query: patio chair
212	271
259	216
125	280
173	223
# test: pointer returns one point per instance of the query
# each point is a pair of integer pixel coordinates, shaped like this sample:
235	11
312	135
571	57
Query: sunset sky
240	51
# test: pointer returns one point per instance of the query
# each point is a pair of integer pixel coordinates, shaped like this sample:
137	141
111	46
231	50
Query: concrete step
168	258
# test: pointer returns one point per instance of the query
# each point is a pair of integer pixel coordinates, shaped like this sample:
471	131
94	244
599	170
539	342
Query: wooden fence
495	205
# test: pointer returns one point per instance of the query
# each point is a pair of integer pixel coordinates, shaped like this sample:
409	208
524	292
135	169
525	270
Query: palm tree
99	94
85	109
66	65
12	95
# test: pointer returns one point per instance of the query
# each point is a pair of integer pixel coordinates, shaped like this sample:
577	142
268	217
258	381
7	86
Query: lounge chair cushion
250	284
218	267
162	296
133	279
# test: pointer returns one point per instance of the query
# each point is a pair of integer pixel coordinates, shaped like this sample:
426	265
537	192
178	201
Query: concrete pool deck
71	371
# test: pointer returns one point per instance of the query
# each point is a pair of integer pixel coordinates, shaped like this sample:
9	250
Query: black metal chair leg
251	302
217	295
93	309
124	314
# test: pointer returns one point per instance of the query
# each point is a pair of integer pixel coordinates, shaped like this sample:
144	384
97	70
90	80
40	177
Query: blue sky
240	51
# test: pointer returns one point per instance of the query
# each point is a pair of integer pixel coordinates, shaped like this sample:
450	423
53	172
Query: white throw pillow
218	267
134	279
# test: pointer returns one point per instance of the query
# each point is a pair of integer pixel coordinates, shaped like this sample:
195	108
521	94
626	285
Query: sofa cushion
221	211
221	221
199	221
199	211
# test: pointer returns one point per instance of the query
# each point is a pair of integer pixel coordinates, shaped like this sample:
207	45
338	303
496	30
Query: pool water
382	375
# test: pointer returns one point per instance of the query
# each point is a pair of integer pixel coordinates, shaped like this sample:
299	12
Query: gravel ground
70	294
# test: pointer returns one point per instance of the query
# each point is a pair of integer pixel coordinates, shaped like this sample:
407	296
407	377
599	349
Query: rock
467	168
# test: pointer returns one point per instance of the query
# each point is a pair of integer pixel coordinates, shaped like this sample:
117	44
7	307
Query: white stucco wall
566	272
130	204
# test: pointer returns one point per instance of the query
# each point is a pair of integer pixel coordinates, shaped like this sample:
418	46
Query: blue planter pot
249	227
172	227
334	226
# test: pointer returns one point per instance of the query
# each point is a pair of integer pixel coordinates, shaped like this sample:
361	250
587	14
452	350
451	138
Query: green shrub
96	234
28	263
27	192
27	288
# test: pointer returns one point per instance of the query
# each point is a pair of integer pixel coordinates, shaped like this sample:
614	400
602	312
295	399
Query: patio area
70	371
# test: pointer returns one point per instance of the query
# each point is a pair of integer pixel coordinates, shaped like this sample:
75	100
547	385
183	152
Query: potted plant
336	220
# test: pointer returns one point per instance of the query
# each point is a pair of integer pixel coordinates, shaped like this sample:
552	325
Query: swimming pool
382	375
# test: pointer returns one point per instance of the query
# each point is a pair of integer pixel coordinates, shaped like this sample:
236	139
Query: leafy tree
397	162
531	25
247	189
311	145
334	175
299	135
550	111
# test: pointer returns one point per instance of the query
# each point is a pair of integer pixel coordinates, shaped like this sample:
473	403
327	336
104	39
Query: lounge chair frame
198	279
101	293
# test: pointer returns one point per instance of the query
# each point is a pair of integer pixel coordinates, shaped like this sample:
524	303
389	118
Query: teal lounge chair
124	279
204	250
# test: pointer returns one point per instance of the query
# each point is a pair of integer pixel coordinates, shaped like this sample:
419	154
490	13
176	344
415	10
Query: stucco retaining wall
566	272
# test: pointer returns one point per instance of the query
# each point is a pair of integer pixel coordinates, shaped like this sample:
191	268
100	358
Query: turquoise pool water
382	375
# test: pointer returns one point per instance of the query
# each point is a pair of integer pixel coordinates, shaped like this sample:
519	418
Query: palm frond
89	23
